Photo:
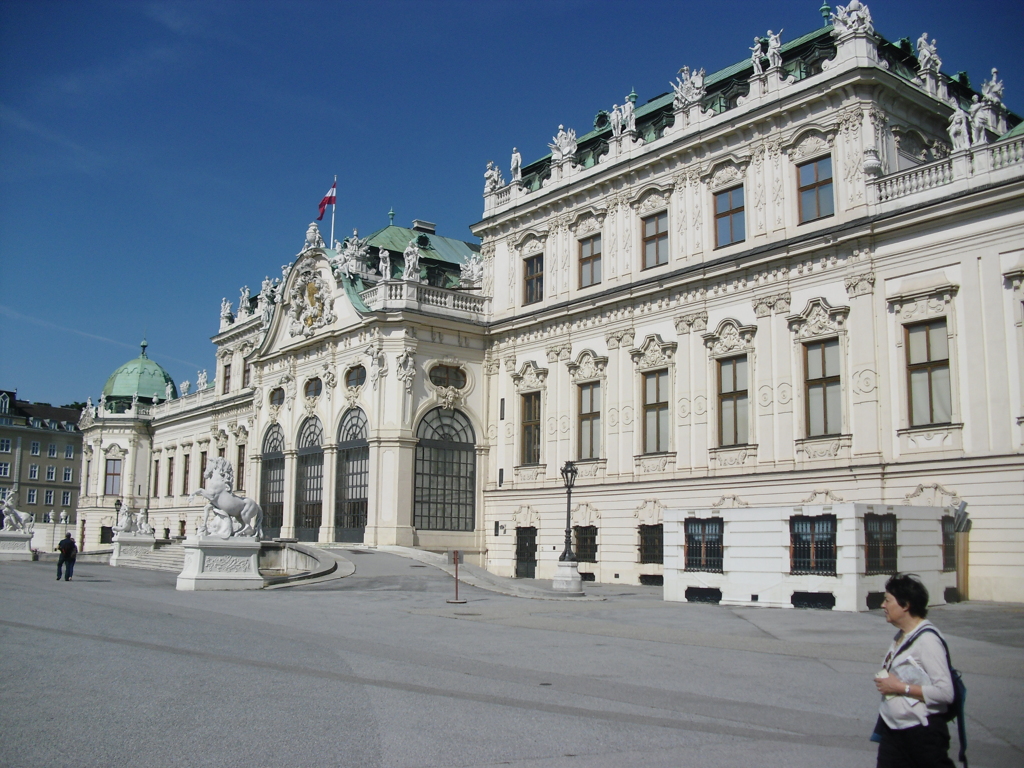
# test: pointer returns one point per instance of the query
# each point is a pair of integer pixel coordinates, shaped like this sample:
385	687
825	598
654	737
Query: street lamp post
567	577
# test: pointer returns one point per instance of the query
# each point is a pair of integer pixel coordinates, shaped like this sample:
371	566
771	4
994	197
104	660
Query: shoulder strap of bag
961	726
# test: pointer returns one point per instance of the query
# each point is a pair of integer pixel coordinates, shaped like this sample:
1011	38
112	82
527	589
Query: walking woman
915	683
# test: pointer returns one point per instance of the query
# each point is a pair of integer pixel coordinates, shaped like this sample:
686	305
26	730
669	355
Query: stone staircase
166	557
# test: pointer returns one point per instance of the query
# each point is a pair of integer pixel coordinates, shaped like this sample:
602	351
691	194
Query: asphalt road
116	668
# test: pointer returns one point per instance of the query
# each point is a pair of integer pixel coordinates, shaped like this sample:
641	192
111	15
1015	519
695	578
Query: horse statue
15	520
224	504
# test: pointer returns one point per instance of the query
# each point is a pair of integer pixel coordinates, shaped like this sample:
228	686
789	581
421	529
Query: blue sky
156	156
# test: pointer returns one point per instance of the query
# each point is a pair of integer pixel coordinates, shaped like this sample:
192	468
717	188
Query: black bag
956	709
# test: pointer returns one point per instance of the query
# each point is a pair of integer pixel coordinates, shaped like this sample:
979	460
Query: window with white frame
5	445
590	420
733	419
51	473
69	451
68	474
655	240
112	478
48	498
531	428
65	499
35	448
822	388
533	279
33	471
928	384
590	261
814	189
5	469
730	217
656	422
51	450
32	496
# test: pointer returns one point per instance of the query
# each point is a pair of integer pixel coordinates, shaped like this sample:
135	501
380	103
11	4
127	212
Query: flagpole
334	207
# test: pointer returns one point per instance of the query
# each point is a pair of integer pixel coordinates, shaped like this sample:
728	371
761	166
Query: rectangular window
815	189
732	401
879	543
35	448
656	412
928	373
170	475
246	375
652	544
33	471
656	240
65	499
812	543
948	543
590	421
5	445
48	498
69	451
5	469
590	261
186	460
156	478
531	428
822	388
533	283
32	495
586	543
730	217
51	473
69	473
51	450
240	469
227	379
704	539
112	478
202	466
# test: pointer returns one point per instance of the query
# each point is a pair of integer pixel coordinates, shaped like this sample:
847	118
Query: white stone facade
722	252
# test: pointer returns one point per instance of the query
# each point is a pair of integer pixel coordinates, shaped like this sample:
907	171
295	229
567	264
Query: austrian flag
329	199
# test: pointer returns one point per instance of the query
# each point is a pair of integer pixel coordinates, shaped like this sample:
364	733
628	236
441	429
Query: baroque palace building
794	284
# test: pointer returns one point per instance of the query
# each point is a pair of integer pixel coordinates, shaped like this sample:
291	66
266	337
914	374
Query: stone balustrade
391	295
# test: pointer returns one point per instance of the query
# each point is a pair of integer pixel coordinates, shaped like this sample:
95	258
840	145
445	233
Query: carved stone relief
653	353
818	319
730	337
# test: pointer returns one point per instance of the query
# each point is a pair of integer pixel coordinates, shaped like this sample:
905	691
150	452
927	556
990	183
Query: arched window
444	497
314	387
355	377
309	481
277	397
352	477
272	482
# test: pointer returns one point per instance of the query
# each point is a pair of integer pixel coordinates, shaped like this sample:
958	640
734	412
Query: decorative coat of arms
311	302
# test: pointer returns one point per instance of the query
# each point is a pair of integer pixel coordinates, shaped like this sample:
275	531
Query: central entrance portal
351	478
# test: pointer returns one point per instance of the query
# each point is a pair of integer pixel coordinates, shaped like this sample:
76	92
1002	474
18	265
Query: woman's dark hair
909	592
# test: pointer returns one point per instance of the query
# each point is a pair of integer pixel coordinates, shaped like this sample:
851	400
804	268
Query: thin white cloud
82	158
15	315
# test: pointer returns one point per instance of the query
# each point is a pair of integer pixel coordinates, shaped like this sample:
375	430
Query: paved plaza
116	668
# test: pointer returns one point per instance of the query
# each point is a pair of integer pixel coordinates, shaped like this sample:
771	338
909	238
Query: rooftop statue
854	18
313	237
412	262
103	403
168	391
184	387
928	54
243	301
756	54
15	520
616	120
384	265
689	88
492	178
564	146
775	49
354	256
628	117
472	271
959	129
228	510
516	168
981	121
992	90
201	380
225	308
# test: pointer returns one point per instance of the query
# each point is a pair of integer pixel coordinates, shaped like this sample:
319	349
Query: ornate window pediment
587	366
727	173
730	338
530	378
651	200
695	321
808	144
819	318
921	298
588	222
531	243
653	353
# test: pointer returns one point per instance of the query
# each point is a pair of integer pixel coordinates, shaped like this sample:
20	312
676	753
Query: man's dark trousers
62	561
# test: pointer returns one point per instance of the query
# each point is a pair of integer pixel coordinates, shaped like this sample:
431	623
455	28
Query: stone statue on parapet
15	520
563	146
184	388
313	237
201	380
225	309
689	87
516	168
992	90
412	262
853	19
775	49
928	54
472	271
243	301
227	515
959	129
384	263
756	54
492	178
628	117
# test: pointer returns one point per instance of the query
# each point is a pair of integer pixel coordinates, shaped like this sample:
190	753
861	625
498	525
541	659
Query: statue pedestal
567	579
220	564
15	546
132	548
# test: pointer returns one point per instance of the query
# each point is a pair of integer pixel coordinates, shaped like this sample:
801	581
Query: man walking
68	552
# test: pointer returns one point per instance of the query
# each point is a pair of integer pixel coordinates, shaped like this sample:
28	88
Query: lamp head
569	472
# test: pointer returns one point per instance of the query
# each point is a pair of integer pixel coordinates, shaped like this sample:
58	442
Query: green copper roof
1018	130
447	249
141	377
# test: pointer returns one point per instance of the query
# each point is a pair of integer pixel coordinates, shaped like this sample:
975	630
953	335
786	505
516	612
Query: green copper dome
141	377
